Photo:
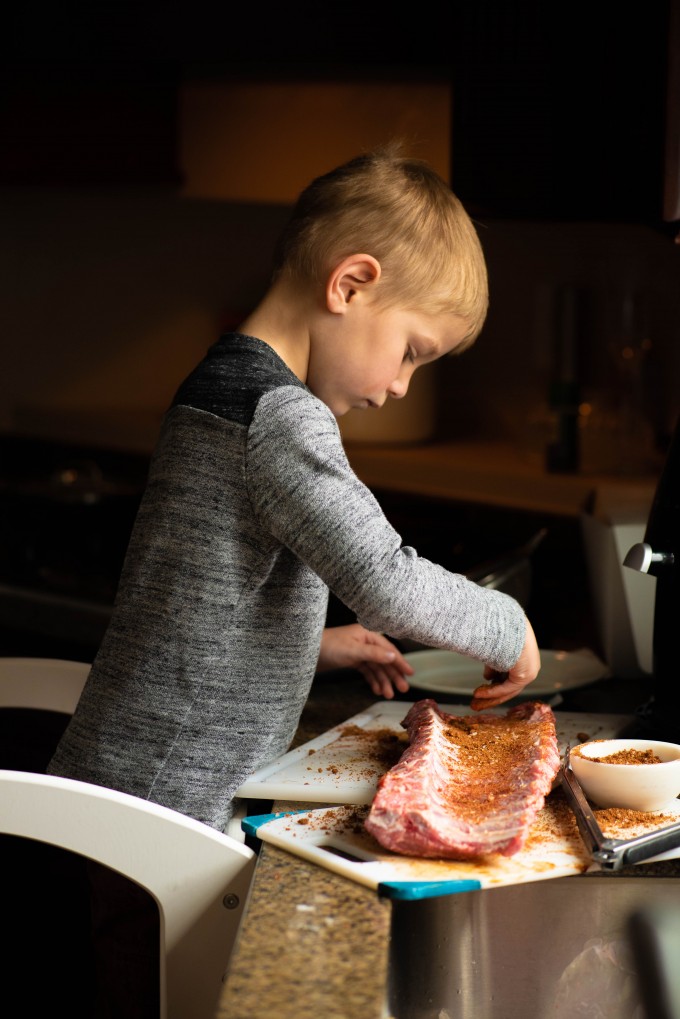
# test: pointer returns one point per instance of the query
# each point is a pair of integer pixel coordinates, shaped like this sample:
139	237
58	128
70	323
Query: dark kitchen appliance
659	555
66	514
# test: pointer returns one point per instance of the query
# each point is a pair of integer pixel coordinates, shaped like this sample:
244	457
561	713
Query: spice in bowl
629	756
635	774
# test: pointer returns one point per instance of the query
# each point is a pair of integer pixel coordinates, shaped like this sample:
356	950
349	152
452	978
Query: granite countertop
313	943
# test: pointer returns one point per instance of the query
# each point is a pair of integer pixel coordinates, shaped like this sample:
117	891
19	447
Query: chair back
199	877
48	684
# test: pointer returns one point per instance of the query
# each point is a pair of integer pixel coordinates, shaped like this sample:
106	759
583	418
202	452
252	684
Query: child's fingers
493	694
384	680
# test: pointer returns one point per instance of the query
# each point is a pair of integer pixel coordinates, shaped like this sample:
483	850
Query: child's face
370	353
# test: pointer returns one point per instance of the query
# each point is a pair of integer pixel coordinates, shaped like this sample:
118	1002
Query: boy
252	512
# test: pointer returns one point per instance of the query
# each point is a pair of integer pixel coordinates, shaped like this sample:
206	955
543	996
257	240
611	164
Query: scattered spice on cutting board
365	753
385	746
616	818
333	820
555	823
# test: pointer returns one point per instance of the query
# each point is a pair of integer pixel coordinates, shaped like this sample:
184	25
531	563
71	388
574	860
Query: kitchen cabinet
559	113
89	122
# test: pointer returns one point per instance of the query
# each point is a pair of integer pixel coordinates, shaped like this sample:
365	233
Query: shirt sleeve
304	492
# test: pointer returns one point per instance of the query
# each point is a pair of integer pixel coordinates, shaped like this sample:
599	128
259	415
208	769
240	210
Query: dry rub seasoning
629	756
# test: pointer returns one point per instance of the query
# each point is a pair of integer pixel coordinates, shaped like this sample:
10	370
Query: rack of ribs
466	785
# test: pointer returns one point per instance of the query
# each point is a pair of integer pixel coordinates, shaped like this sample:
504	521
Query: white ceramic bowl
644	787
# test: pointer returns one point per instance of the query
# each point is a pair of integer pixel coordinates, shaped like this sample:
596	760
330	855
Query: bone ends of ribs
467	785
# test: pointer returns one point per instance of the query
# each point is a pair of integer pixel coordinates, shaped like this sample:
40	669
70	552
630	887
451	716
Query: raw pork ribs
466	785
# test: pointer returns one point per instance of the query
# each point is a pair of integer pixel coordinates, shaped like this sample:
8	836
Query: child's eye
410	355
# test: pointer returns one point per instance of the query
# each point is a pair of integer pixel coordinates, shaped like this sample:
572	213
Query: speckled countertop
313	943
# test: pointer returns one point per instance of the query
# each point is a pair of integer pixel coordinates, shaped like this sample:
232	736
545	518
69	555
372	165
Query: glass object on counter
563	452
618	430
603	415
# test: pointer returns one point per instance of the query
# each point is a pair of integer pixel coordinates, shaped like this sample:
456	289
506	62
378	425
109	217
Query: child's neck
283	324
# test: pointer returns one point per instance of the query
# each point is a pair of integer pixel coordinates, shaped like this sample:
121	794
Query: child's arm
304	491
522	672
371	654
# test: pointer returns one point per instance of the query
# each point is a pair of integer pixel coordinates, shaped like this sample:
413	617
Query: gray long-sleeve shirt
251	513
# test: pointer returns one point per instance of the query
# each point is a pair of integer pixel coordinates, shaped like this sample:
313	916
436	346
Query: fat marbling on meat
467	785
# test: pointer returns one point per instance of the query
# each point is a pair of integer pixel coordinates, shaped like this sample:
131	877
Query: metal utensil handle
611	854
591	833
623	852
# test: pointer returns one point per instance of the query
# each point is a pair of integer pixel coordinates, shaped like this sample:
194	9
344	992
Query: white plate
448	672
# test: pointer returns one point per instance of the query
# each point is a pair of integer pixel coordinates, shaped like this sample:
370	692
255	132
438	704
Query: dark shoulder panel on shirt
235	373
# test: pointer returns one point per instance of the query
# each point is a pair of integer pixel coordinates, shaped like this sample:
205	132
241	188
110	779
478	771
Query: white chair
55	684
199	877
50	684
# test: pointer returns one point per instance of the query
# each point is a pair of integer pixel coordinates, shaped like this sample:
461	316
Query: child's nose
399	387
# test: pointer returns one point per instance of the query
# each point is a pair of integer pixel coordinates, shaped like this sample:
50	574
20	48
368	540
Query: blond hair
399	210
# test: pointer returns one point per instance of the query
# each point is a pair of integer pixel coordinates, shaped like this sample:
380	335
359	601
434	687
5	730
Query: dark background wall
116	275
118	268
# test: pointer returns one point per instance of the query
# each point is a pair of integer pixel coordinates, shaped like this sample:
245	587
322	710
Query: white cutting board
334	838
344	764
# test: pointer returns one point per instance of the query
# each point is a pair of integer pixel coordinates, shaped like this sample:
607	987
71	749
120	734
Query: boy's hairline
444	296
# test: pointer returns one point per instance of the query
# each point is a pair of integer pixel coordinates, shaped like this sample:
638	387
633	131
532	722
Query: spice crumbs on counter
611	818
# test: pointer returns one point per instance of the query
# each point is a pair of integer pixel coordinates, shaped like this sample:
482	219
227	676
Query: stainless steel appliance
549	950
659	555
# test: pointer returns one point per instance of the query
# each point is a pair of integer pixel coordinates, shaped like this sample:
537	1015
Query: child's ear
353	275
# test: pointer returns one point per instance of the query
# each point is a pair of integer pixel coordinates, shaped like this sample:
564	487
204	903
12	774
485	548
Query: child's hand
353	647
523	671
